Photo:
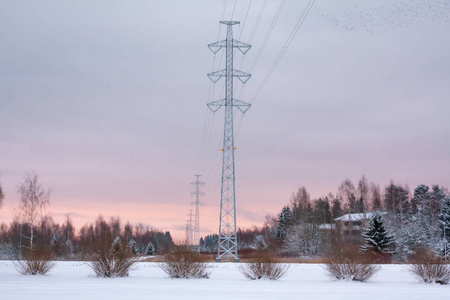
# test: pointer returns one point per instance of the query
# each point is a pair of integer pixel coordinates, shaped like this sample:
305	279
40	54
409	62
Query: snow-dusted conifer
260	243
377	238
302	239
150	249
55	244
133	246
155	244
285	219
444	224
116	246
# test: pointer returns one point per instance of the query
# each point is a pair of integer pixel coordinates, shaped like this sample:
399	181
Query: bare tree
299	203
377	203
33	201
363	192
346	194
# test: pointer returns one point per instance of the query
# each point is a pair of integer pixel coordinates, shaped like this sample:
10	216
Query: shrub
345	262
36	262
263	267
184	263
113	261
430	268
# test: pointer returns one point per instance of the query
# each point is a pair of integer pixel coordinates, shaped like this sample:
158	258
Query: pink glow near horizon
107	104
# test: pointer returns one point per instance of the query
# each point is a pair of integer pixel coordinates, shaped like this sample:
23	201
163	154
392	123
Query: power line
245	19
202	151
258	19
263	45
269	31
283	50
234	7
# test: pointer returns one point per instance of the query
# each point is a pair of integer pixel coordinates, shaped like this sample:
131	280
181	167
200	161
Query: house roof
357	217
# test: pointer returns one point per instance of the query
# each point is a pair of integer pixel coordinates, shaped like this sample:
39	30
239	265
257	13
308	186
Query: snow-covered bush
345	262
184	263
430	268
114	260
35	262
264	267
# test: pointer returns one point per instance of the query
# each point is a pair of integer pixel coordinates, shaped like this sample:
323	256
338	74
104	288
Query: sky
106	102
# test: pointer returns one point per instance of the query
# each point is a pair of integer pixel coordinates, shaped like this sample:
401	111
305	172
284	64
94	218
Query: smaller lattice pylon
197	203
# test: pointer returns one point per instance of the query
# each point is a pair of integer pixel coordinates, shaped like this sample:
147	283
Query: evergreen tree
336	209
155	244
211	243
116	246
149	250
259	243
377	205
396	199
444	224
133	246
411	237
55	244
285	219
322	213
377	238
420	199
302	239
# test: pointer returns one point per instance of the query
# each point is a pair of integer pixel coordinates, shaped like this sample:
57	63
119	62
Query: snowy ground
74	280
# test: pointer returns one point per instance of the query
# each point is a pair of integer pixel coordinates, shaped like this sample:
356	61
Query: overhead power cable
269	31
285	47
258	19
208	120
245	20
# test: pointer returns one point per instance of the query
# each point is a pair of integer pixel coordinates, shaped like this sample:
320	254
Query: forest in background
305	227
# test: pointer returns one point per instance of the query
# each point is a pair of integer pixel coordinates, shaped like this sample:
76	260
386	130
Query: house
353	224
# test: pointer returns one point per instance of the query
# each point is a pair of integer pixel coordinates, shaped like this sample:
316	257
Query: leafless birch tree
33	201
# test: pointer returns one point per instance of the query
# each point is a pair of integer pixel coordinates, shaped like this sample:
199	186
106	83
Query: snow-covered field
74	280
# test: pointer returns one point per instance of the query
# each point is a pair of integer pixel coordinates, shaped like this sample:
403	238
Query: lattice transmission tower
197	203
227	225
189	234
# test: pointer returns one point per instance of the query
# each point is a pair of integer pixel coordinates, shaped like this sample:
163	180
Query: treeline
33	229
418	219
66	243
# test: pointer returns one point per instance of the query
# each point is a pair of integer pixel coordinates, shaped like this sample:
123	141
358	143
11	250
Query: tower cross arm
215	76
242	76
215	105
243	47
241	105
215	47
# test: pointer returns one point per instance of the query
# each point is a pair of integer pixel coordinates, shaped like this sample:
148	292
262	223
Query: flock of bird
391	16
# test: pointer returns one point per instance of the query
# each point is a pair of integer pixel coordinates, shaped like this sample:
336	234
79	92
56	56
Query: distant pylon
227	224
197	205
189	232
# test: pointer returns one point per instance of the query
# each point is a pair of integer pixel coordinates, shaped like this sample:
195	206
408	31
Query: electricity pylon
197	204
188	233
189	230
227	224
